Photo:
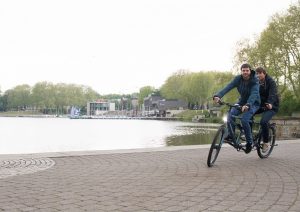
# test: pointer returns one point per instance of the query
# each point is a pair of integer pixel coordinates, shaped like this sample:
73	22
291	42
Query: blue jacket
248	90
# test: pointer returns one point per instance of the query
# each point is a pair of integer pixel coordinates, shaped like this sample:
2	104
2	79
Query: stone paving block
260	207
155	181
279	208
238	208
28	209
14	210
217	208
175	208
197	208
72	210
295	207
133	208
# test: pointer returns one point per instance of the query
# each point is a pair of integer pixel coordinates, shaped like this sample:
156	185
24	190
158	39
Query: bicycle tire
216	146
272	138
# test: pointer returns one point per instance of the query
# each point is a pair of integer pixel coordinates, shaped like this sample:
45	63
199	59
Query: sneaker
248	148
228	139
265	147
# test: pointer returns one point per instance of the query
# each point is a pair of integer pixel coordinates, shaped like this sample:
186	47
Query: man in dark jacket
248	88
269	103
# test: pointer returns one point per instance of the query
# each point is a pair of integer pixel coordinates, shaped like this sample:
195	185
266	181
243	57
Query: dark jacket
248	90
268	93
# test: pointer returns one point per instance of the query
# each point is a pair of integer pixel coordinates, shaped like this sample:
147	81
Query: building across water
155	105
100	107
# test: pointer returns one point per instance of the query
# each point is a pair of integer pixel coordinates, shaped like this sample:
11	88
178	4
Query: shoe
248	148
228	139
265	147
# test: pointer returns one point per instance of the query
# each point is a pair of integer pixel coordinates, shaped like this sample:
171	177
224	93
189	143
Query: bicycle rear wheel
216	146
272	138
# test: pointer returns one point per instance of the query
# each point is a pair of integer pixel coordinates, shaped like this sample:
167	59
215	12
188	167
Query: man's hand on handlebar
245	108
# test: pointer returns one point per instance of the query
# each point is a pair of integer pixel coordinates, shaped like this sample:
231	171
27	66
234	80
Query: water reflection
33	135
197	136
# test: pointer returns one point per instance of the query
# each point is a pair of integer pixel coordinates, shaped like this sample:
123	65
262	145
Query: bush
188	115
288	105
214	120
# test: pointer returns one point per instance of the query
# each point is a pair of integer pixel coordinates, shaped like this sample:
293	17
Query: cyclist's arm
254	95
227	88
272	97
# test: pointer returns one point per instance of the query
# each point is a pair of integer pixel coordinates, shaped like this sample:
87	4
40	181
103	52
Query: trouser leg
245	123
266	117
231	120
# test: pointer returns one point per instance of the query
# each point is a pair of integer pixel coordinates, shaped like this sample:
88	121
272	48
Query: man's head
261	73
246	71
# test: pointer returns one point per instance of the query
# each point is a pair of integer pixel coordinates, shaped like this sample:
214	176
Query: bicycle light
224	119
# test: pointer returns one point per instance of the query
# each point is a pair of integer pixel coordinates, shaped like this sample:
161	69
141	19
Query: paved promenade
163	179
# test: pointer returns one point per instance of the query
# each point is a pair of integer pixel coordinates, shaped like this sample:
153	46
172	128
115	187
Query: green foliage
196	88
112	96
19	97
214	120
278	50
3	103
221	79
188	115
144	92
46	96
289	104
174	87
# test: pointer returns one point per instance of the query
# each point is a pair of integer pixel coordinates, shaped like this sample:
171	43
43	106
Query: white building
100	107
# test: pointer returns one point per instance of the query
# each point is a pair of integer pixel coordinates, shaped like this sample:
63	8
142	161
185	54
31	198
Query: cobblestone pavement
176	180
21	166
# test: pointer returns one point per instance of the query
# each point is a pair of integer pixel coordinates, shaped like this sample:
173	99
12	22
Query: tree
43	95
144	92
196	88
19	97
3	102
175	87
221	79
278	50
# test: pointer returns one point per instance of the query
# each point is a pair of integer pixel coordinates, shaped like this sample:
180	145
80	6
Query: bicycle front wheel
216	146
272	136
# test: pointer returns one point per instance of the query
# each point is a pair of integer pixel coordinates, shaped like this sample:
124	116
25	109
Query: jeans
245	119
265	118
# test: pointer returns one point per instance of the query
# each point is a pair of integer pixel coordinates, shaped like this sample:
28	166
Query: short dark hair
261	70
245	65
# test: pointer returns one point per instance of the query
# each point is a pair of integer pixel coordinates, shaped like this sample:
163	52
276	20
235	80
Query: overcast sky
119	46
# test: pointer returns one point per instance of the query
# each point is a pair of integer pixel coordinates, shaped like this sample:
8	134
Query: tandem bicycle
239	141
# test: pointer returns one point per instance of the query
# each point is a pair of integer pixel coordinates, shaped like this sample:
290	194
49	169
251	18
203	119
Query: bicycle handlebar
237	106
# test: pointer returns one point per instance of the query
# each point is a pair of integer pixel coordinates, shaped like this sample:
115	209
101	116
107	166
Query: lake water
36	135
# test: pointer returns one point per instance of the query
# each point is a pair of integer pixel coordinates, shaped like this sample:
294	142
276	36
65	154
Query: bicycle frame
238	139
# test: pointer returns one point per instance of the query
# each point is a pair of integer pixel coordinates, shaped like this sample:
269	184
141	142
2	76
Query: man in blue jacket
269	103
248	88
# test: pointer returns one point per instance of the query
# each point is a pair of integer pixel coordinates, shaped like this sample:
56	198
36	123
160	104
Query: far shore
287	127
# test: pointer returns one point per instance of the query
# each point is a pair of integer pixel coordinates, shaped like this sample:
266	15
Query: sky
117	46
